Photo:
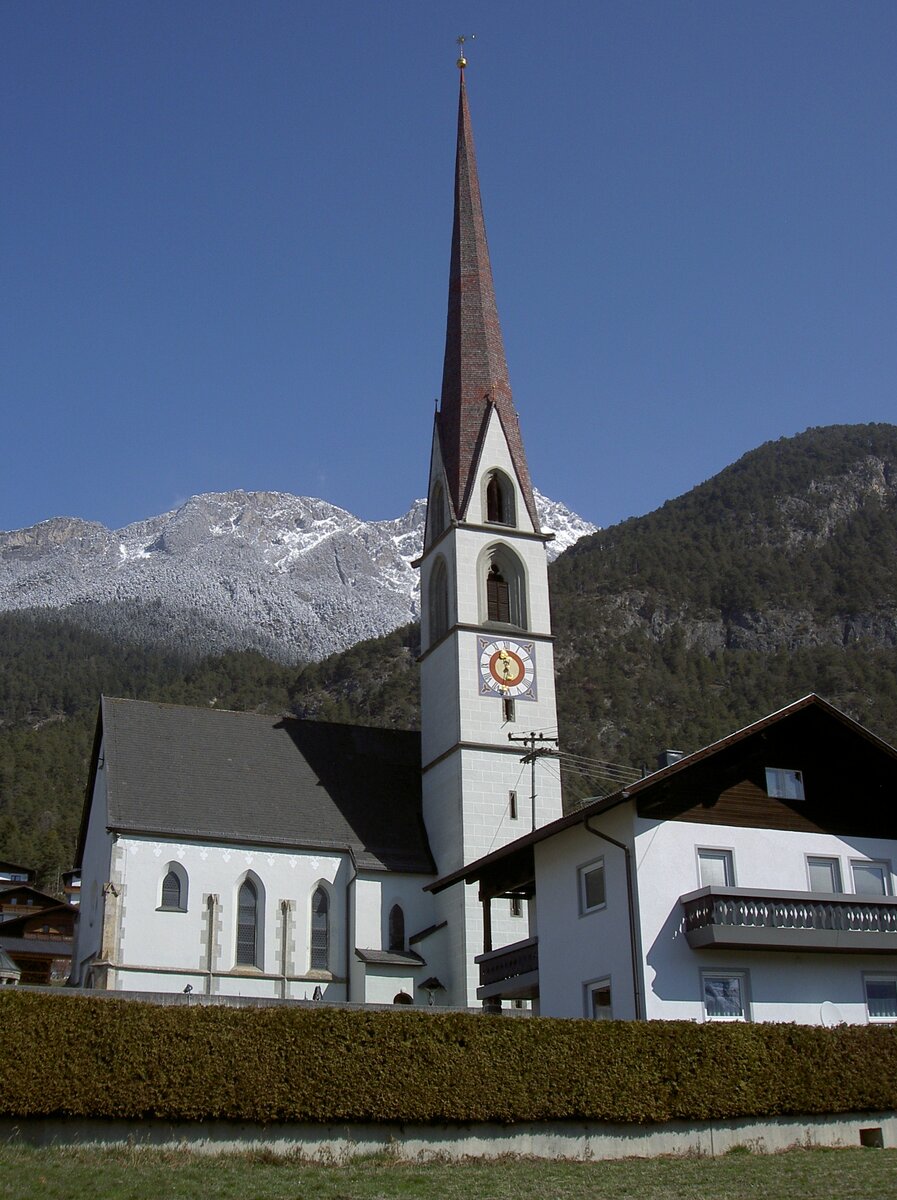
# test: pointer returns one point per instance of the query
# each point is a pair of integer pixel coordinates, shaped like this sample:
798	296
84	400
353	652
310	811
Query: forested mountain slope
775	578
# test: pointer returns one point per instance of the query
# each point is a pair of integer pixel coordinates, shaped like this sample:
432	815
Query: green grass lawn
33	1174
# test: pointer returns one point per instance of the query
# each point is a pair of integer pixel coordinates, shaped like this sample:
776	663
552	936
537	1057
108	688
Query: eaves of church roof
202	774
475	371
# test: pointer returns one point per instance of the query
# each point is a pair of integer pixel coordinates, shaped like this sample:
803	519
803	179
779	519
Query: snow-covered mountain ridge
292	576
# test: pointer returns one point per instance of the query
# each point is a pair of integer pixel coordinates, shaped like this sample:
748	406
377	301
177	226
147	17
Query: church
235	854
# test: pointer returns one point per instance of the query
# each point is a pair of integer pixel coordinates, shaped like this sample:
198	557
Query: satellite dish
830	1014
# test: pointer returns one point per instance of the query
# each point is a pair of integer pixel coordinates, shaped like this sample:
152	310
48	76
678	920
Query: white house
751	880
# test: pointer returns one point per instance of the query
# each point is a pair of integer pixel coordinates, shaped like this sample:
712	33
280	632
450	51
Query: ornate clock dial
507	668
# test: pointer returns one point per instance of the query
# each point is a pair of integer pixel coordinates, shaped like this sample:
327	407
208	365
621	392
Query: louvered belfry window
247	918
171	891
320	929
498	595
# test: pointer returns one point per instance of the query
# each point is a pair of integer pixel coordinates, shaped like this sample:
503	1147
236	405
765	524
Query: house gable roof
851	786
208	775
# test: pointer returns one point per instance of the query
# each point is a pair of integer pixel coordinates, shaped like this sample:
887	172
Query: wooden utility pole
535	752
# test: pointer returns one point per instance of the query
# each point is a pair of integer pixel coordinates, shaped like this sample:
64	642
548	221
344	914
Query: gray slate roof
204	774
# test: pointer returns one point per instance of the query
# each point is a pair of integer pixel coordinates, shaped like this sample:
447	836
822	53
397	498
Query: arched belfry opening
437	511
438	601
502	583
500	505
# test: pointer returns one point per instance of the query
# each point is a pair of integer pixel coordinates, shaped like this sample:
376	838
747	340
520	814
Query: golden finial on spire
462	61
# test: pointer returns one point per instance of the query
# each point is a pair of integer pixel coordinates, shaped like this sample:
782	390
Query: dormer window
500	509
784	784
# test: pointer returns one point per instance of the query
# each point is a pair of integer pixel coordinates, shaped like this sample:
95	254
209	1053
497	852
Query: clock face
507	668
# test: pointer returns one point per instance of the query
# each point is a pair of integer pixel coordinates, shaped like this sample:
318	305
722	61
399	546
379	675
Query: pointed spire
475	373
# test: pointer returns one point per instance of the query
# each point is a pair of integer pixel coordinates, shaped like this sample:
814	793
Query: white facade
129	939
580	949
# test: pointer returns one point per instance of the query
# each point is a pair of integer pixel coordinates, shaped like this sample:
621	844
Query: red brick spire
475	373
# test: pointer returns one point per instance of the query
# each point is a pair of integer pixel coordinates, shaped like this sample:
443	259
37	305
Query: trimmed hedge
79	1056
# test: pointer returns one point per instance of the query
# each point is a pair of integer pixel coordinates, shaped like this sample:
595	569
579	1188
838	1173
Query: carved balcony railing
511	972
753	918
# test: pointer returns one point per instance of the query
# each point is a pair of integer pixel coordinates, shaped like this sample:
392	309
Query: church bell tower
487	666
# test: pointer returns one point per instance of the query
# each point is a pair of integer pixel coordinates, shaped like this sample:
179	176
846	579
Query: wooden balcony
511	973
756	919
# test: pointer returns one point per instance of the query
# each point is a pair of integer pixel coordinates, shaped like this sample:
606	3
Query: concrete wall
579	1141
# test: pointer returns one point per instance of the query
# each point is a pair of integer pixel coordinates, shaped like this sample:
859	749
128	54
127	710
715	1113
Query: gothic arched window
320	929
438	601
500	508
396	929
174	888
247	924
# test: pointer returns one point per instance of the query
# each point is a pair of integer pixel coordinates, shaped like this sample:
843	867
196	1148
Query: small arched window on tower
320	930
500	508
503	598
437	518
438	608
396	929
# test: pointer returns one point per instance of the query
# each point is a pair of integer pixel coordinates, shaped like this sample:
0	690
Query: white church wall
95	872
169	942
439	700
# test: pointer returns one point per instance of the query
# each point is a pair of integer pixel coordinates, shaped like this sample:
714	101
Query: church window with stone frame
396	929
500	507
247	924
174	889
438	601
503	597
320	930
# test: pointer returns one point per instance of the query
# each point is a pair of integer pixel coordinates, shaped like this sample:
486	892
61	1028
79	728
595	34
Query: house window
725	995
591	887
784	784
824	873
499	499
598	1000
871	878
247	924
174	889
881	997
716	868
320	930
512	805
396	929
516	906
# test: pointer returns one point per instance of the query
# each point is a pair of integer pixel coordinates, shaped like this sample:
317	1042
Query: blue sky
226	226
